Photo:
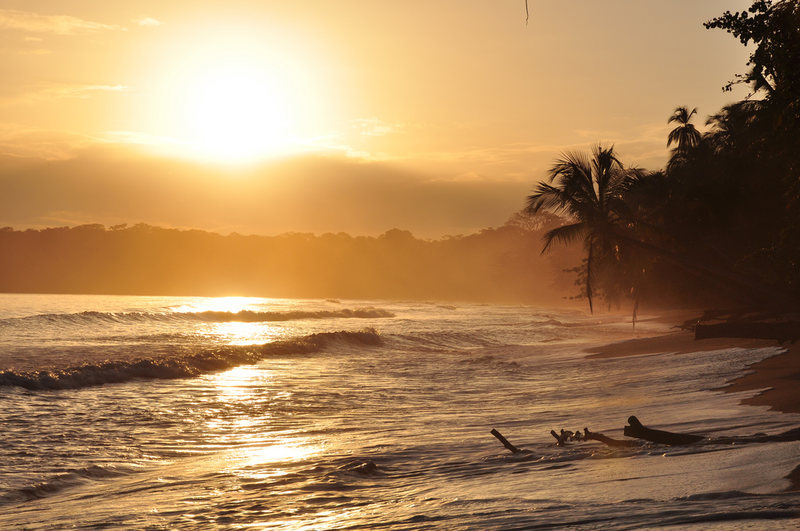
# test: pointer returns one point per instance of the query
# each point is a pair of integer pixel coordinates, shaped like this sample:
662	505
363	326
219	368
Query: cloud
137	138
57	92
18	141
374	127
148	22
81	91
110	184
57	24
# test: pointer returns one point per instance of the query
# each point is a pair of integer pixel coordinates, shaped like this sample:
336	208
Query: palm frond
573	172
547	197
682	115
606	166
565	234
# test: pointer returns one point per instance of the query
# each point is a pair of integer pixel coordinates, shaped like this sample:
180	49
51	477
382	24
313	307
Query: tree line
721	223
494	265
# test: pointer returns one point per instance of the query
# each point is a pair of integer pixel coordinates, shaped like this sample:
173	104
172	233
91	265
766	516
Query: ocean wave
60	482
250	316
181	366
446	341
246	316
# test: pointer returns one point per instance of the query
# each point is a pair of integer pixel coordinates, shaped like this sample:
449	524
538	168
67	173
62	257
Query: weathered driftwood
637	430
560	439
590	435
505	442
783	331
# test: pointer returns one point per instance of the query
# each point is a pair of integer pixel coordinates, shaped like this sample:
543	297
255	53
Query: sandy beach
776	376
773	380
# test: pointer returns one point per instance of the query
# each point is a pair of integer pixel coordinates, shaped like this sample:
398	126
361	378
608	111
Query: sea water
198	413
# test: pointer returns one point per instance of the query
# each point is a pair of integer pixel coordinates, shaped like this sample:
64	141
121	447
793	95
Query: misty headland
494	265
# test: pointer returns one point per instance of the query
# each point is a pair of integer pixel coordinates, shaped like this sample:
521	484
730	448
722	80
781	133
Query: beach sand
778	377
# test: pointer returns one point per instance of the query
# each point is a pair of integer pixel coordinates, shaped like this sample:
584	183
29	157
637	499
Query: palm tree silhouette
598	196
685	135
589	191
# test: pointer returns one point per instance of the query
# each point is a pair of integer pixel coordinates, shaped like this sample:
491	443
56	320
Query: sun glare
236	113
221	304
235	96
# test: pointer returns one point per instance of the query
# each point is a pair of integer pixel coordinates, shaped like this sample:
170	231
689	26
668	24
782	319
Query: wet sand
778	376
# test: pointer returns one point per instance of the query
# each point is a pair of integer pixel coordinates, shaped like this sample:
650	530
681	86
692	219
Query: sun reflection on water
221	304
237	333
241	382
256	450
279	453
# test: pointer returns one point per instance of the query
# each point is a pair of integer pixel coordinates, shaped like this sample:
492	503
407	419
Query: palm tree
739	127
589	191
685	135
598	196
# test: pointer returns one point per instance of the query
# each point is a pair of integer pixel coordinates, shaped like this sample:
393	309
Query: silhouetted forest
719	225
498	265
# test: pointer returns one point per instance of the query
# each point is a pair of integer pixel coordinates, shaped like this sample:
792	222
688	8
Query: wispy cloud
374	127
57	24
19	141
58	92
82	91
148	22
137	138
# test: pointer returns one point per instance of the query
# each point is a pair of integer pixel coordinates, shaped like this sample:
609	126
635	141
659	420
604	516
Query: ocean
123	412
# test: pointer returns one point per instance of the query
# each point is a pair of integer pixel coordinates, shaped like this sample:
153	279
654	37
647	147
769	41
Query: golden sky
315	115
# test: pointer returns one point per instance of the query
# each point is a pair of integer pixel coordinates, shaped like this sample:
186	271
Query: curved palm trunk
589	260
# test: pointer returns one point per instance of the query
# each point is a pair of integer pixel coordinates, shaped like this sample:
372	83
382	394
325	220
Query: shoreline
776	376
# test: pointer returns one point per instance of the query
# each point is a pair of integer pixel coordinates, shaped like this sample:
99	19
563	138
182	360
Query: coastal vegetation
721	223
502	264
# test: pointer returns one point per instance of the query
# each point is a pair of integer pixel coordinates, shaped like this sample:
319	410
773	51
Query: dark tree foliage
773	29
760	139
494	265
722	224
590	191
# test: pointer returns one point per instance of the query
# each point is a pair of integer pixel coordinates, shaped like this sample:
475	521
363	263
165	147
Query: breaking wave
61	481
250	316
246	316
182	366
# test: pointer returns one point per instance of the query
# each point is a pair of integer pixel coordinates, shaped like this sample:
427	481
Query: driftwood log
560	439
505	442
637	430
590	435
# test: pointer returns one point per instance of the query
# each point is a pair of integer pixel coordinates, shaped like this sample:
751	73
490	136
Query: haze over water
317	414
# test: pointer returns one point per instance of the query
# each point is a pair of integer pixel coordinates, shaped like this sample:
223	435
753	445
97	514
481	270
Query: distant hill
494	265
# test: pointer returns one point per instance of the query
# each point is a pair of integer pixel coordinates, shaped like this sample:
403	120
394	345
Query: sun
231	96
235	112
237	92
